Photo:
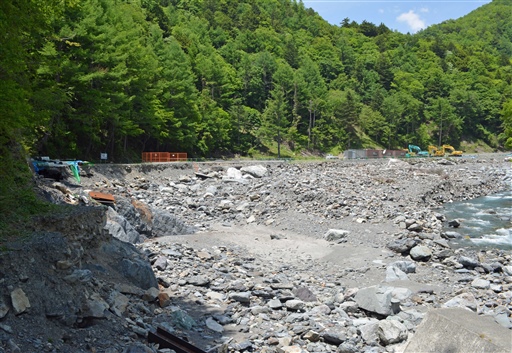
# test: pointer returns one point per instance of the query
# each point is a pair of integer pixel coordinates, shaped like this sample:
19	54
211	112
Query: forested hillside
216	77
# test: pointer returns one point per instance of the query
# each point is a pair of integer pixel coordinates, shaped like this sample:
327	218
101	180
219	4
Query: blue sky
401	15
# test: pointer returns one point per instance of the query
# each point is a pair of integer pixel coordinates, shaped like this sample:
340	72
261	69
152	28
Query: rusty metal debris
106	199
166	339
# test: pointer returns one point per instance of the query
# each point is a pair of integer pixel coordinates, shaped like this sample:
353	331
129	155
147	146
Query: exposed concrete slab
455	330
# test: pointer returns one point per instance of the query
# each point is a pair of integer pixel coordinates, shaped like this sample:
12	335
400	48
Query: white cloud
413	20
424	9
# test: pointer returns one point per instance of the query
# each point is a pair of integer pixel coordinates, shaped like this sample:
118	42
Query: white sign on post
103	156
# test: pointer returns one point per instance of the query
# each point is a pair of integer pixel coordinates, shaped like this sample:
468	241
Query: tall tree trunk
310	124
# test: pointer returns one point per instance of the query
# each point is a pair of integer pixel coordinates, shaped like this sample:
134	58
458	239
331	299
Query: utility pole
441	125
310	122
278	137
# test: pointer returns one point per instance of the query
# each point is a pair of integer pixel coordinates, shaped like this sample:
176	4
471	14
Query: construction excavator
451	151
415	151
444	150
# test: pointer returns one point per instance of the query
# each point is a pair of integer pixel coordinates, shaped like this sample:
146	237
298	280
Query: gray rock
312	336
295	304
459	331
139	273
395	274
464	300
400	294
12	346
256	310
402	246
183	320
335	234
233	173
127	210
304	294
369	333
172	253
468	262
200	281
391	331
120	228
257	171
347	347
4	309
78	275
334	336
451	235
163	223
151	294
480	283
415	227
118	303
455	223
214	325
275	304
320	310
492	267
19	300
376	299
160	263
242	297
421	253
405	266
243	346
95	307
503	319
215	296
507	270
443	243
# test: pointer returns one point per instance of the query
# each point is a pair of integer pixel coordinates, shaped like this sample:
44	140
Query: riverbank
278	257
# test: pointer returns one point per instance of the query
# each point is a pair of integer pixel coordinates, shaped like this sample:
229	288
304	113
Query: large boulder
120	228
257	171
150	221
376	299
233	173
459	331
164	223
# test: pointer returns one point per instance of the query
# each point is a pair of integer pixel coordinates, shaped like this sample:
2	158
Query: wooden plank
101	197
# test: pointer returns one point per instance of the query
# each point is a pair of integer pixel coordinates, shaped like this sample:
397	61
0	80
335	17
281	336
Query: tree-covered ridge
222	76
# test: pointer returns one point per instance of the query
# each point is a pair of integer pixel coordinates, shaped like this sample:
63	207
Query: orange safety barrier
163	157
178	157
155	156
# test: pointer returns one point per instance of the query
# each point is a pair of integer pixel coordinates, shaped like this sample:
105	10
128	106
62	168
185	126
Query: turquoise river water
485	221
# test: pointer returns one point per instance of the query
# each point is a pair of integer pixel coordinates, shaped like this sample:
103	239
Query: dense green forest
218	77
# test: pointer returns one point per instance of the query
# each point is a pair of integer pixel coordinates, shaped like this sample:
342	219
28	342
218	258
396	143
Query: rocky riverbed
334	256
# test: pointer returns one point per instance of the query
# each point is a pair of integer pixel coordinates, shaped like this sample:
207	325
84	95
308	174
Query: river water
485	222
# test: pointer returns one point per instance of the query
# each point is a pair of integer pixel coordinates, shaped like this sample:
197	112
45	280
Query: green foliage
24	25
18	202
506	136
219	77
374	125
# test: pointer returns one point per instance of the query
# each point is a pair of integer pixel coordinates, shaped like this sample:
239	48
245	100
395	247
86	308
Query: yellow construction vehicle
447	149
433	151
442	151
